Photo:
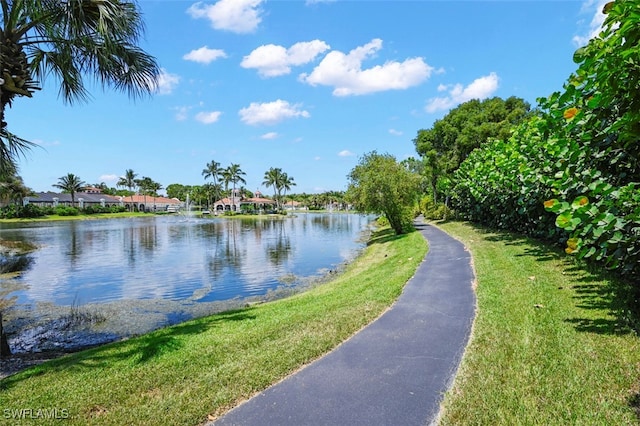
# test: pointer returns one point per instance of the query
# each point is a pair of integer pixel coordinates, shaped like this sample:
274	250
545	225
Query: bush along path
395	370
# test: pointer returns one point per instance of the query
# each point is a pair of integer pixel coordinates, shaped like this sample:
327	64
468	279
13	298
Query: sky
307	86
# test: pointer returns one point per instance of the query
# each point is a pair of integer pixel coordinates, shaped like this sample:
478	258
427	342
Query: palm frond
93	37
11	148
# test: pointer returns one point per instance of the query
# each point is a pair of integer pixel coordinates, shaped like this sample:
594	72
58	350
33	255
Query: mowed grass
550	345
186	374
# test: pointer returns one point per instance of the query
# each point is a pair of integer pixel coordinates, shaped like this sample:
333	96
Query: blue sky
307	86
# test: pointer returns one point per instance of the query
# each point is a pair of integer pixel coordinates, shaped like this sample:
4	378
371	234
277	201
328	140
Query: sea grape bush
578	158
606	231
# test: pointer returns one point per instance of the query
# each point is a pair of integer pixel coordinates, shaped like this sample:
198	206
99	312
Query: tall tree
154	188
274	177
212	191
234	174
128	181
286	184
68	40
465	128
70	184
148	187
213	171
379	184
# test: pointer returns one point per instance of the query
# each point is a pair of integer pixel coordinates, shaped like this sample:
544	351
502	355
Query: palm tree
71	184
68	40
128	180
154	187
144	184
286	183
273	177
234	174
213	191
213	171
12	189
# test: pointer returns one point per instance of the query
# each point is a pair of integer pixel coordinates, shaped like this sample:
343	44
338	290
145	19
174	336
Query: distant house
147	203
95	198
91	190
238	203
294	205
82	199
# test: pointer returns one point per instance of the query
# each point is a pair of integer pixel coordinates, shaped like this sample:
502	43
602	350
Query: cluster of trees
450	141
231	175
572	172
281	183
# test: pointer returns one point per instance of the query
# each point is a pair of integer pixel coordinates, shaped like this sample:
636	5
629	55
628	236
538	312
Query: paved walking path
393	372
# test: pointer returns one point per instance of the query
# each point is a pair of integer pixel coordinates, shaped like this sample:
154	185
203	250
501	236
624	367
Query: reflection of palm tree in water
232	253
279	251
75	245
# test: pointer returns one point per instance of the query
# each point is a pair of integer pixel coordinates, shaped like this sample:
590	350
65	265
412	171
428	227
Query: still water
167	265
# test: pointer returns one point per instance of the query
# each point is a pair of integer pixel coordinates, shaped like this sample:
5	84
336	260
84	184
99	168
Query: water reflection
89	262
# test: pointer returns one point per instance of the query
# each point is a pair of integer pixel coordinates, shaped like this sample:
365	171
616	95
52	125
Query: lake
141	273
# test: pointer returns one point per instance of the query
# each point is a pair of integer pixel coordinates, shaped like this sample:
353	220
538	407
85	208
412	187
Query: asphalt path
396	370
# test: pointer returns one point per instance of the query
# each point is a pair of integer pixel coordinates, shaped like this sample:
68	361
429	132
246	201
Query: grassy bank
550	345
182	374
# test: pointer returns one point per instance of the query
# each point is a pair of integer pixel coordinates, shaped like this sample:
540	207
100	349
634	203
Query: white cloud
395	132
480	88
271	60
238	16
595	26
344	72
270	135
108	178
271	112
166	82
346	153
208	117
181	113
204	55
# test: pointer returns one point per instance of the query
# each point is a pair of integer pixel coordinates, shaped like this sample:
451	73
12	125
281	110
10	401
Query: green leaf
590	252
617	237
552	205
580	202
564	220
594	101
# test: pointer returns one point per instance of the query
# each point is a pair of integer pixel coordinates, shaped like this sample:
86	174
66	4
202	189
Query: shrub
434	211
14	211
66	211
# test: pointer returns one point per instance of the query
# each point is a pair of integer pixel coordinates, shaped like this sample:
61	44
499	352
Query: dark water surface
142	273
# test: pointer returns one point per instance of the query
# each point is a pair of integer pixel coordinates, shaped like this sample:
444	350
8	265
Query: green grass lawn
551	343
182	374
